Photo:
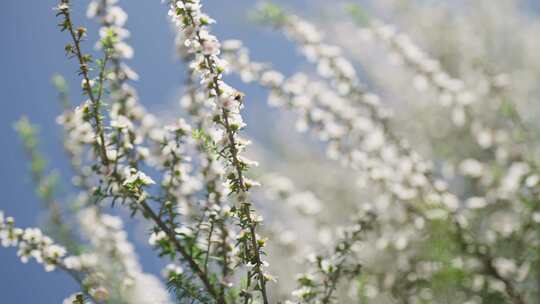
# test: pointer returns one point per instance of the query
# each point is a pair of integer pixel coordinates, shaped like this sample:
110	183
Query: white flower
124	50
501	80
272	78
54	251
536	217
420	83
476	202
73	262
32	235
62	7
505	267
305	202
184	230
155	237
121	122
484	138
210	46
232	44
146	289
137	176
374	140
458	116
172	269
117	16
471	167
91	11
451	201
511	181
371	291
88	260
99	293
532	180
301	292
401	242
230	99
326	265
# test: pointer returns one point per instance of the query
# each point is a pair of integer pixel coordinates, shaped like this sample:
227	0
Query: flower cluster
31	244
125	280
408	180
319	285
205	48
453	93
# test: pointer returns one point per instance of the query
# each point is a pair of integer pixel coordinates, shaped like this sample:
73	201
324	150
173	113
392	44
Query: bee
239	97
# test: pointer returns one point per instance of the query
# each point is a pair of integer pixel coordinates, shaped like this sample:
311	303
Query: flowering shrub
443	207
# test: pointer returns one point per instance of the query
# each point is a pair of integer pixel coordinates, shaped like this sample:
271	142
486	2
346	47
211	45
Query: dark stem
203	276
96	102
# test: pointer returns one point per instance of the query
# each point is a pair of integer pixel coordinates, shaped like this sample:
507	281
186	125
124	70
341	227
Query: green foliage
205	140
440	246
361	284
59	82
269	13
46	184
185	291
358	13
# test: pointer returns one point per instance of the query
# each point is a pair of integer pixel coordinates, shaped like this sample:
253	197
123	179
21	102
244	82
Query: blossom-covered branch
187	15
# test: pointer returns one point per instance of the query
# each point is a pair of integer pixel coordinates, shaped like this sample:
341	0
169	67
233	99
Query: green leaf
358	13
269	13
